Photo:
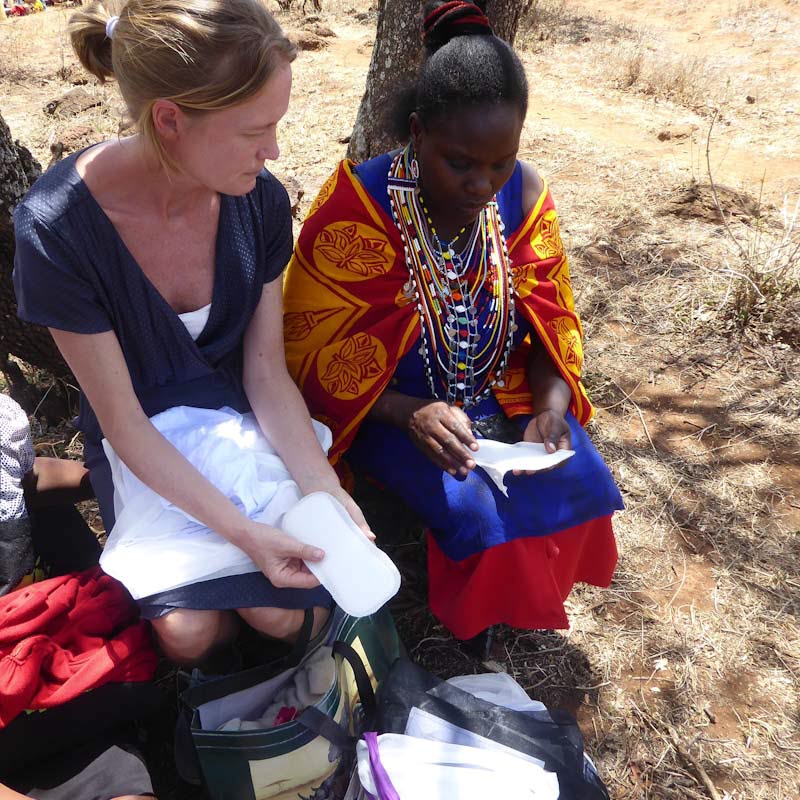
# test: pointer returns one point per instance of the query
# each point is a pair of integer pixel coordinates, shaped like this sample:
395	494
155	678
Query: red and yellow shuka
349	319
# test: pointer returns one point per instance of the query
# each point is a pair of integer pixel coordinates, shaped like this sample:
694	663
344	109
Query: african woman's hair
465	65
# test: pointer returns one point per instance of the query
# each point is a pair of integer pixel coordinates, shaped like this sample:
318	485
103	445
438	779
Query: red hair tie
475	17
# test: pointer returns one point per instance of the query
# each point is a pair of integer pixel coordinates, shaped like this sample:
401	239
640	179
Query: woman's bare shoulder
532	186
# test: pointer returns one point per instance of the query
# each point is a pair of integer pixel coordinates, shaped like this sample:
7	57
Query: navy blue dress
73	272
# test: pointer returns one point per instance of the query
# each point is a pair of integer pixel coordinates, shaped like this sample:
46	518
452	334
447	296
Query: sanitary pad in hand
498	458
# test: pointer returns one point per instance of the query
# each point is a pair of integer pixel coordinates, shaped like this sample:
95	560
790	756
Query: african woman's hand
550	429
443	433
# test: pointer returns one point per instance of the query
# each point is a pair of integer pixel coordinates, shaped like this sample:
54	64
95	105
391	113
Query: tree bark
395	58
32	344
505	16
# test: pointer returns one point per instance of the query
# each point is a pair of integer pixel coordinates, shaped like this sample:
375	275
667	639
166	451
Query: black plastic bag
550	736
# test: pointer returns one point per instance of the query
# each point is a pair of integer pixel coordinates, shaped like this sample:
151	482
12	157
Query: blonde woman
155	261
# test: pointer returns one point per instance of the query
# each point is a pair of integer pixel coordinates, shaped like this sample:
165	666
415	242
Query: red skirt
522	583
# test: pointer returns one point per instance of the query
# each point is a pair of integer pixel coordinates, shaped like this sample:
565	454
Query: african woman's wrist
555	400
550	393
557	411
397	409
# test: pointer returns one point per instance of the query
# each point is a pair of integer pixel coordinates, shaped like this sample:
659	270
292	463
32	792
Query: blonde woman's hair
203	55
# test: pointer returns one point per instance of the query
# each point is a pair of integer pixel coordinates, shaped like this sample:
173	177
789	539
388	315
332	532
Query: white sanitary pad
498	458
359	576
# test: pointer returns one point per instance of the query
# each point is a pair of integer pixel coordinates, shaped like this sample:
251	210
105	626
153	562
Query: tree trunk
395	58
18	171
506	15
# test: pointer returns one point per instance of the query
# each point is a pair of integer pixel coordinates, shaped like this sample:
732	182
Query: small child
42	534
16	461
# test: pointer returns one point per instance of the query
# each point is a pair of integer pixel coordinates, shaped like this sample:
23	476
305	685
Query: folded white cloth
154	545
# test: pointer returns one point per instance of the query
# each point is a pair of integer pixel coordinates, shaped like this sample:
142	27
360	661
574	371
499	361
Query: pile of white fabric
155	546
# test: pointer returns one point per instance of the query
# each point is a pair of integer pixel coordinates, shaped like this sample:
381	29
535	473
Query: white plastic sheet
154	545
498	688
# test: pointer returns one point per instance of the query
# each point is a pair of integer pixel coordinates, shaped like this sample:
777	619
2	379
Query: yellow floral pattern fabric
348	368
353	250
546	237
569	342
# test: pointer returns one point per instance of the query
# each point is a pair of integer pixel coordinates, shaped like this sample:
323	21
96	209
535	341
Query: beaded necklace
455	291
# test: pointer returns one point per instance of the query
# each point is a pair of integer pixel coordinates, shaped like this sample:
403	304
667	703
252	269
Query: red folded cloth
65	636
286	714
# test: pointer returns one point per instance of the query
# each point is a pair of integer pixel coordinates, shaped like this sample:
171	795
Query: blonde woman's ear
166	119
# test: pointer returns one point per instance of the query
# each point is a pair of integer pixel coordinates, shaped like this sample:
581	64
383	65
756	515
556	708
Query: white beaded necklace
450	297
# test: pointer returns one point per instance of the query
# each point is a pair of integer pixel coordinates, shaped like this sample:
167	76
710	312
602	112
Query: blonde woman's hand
353	510
280	557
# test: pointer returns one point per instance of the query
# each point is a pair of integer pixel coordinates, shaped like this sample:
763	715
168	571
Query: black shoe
480	646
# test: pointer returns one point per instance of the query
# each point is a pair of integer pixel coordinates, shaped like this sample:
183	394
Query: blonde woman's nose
270	150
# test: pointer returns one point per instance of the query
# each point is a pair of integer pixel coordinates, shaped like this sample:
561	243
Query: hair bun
445	21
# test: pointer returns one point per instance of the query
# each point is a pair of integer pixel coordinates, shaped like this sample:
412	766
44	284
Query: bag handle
303	640
383	783
365	691
325	726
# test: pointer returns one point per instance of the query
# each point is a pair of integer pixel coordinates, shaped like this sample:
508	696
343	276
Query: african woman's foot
480	646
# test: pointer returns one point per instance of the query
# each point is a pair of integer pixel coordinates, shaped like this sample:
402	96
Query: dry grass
688	665
700	428
688	81
758	18
553	22
764	276
544	20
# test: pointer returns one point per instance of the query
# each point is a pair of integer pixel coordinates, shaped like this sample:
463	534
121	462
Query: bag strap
366	693
187	762
383	783
323	725
301	643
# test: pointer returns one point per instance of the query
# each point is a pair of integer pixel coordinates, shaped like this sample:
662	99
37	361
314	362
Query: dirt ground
668	131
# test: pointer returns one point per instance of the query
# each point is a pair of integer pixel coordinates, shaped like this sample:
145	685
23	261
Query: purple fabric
383	783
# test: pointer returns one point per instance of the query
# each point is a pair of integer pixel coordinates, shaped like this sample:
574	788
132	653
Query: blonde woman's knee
187	636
